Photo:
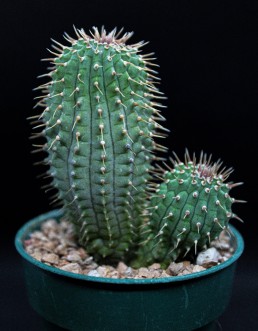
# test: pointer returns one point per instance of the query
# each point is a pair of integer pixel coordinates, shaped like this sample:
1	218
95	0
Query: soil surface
54	244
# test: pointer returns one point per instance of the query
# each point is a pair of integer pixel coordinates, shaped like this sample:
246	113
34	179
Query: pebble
93	273
39	235
73	256
221	245
83	254
198	268
37	256
62	263
175	268
72	267
55	245
144	273
50	245
50	258
113	274
156	273
164	274
208	258
52	235
129	273
88	260
184	272
102	271
154	266
122	267
48	226
61	249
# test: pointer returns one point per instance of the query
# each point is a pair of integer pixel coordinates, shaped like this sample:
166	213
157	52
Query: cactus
192	206
99	123
100	120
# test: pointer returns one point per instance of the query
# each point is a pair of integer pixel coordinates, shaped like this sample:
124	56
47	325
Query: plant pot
79	302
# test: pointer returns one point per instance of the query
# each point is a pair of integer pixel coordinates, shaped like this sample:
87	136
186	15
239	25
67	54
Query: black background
207	52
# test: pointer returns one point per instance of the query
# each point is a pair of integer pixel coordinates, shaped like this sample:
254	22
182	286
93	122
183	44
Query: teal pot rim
34	224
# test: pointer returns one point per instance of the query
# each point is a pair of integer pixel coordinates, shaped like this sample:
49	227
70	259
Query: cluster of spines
100	119
190	208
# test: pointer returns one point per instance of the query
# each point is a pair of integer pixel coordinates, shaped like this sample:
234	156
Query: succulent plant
191	207
99	121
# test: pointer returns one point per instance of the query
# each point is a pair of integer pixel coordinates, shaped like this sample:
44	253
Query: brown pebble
50	245
50	258
37	243
62	263
90	266
86	271
102	271
186	264
37	256
175	268
69	242
143	273
88	261
61	249
156	273
184	272
164	274
73	256
38	235
83	254
122	267
210	264
52	235
113	274
198	268
154	266
72	267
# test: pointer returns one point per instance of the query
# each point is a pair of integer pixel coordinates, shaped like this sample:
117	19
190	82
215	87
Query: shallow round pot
80	303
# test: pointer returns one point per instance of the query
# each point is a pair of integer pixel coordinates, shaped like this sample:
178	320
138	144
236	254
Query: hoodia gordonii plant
188	210
100	120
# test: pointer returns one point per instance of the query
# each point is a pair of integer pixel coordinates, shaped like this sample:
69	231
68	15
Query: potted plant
101	123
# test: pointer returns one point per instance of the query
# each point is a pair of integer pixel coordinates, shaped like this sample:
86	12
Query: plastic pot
80	303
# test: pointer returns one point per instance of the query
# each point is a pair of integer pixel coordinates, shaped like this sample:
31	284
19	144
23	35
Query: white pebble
93	273
208	257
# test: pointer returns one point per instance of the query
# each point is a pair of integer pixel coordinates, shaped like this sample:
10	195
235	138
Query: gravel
54	244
